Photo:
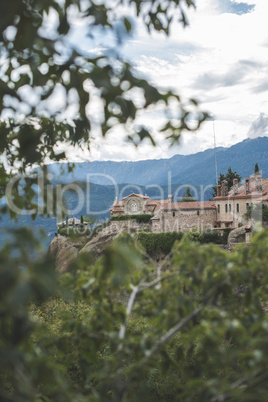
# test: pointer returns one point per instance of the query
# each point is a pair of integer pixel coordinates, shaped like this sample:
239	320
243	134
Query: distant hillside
195	169
144	176
241	157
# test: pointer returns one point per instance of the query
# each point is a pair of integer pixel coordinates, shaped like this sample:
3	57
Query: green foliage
82	219
256	169
188	196
88	219
229	176
154	243
158	242
259	211
39	62
26	274
74	232
43	61
124	329
139	218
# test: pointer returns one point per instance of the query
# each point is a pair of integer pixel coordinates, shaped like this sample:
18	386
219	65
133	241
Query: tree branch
168	335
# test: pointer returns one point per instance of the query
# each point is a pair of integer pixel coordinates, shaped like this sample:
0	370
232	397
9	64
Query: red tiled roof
152	202
165	204
136	195
118	203
265	197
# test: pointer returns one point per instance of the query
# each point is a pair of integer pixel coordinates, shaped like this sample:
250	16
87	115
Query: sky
221	59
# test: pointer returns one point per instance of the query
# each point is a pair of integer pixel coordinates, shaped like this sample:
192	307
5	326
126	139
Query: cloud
259	127
235	74
221	60
261	87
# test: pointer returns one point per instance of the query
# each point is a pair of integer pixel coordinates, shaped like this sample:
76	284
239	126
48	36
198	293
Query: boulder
237	235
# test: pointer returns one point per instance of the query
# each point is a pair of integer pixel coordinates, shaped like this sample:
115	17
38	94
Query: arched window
237	207
219	208
134	207
230	207
226	207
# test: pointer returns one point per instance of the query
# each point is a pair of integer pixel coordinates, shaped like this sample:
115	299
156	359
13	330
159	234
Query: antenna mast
215	154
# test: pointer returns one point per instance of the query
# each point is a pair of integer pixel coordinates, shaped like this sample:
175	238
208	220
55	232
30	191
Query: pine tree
256	169
188	196
229	176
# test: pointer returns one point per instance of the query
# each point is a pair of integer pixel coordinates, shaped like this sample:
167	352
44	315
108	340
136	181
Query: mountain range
195	169
146	177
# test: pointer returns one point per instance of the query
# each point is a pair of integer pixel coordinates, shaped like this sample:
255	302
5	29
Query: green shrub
163	242
73	232
209	236
141	218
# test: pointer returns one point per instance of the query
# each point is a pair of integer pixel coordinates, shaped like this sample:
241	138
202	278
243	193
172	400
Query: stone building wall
236	209
134	205
184	220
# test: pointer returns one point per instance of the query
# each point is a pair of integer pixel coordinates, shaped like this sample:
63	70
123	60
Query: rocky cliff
66	249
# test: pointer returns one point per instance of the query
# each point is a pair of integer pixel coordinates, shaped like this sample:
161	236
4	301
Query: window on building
230	207
134	207
198	212
226	207
237	207
173	213
247	206
219	208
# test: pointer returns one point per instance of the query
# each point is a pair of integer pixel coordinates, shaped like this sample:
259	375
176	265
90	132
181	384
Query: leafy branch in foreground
118	330
50	88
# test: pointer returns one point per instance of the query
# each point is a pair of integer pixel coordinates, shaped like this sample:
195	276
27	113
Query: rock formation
66	249
237	235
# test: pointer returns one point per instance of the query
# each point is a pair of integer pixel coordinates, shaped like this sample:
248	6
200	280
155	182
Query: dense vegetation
125	329
139	218
187	196
77	231
121	328
229	177
154	243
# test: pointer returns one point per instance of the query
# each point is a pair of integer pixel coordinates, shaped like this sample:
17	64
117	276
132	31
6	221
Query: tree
131	332
187	196
229	176
256	169
259	210
82	220
120	328
37	60
40	62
